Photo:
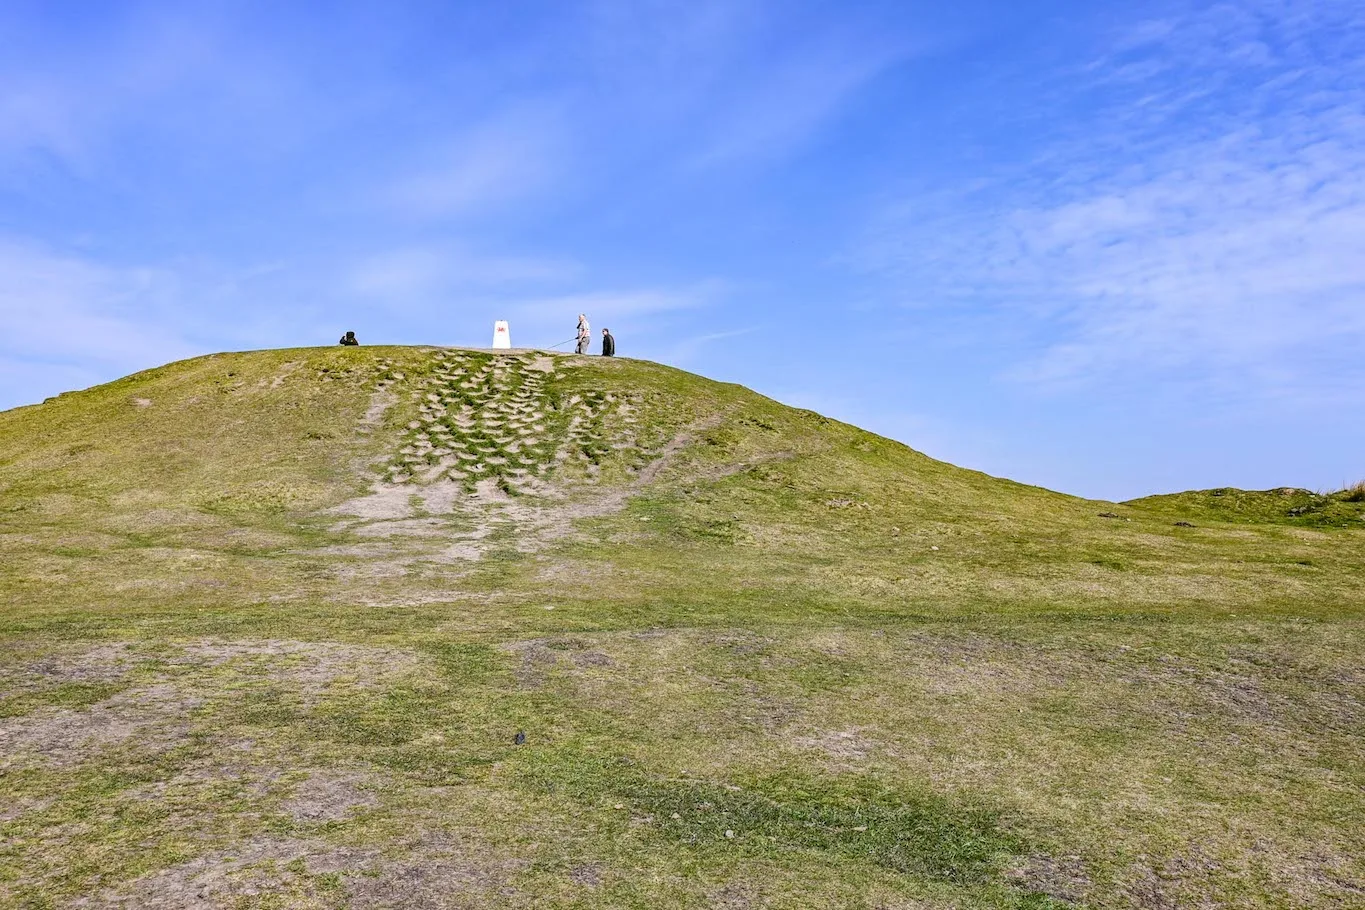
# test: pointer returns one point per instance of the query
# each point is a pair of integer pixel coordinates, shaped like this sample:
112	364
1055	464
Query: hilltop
272	620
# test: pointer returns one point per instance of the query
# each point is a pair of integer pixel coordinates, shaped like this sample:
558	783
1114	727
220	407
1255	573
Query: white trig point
501	337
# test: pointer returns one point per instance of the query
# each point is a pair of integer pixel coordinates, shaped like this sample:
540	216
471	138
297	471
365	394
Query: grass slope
270	622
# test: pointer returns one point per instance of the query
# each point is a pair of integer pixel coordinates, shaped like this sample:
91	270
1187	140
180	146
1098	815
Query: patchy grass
254	654
836	820
65	695
1287	505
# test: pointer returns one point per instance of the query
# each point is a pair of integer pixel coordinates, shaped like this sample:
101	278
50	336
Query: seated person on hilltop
349	338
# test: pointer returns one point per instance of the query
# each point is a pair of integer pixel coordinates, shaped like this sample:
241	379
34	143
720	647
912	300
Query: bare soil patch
157	716
102	664
736	896
540	655
309	667
383	502
230	877
330	796
22	806
430	875
1062	878
380	402
536	660
845	747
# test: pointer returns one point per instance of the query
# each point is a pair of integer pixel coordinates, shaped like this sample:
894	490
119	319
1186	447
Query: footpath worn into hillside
271	623
497	445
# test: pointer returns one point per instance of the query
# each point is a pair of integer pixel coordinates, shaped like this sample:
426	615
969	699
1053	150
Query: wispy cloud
511	156
418	272
791	100
148	72
624	304
67	316
733	82
684	350
1166	237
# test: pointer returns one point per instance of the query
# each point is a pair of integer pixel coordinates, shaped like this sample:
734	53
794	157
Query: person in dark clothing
608	344
349	338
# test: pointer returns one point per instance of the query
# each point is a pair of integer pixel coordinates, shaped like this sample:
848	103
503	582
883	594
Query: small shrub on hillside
1355	492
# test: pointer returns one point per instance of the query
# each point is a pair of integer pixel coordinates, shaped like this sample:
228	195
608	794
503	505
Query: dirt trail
407	511
493	456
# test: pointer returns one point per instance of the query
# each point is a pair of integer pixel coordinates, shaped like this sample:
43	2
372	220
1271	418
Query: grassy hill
270	623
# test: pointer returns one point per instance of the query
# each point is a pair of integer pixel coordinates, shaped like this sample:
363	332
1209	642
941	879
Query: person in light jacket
584	334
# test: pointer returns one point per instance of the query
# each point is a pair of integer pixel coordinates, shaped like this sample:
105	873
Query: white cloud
728	82
66	309
1216	243
607	305
685	350
791	100
70	321
421	271
510	157
191	75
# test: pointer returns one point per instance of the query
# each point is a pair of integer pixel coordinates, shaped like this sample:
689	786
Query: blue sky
1112	249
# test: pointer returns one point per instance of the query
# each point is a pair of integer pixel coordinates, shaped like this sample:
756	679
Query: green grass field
271	621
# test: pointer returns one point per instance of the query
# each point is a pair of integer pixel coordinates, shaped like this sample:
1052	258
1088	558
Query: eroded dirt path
497	454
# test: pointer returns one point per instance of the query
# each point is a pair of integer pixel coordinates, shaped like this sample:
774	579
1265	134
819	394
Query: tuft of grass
834	820
64	695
